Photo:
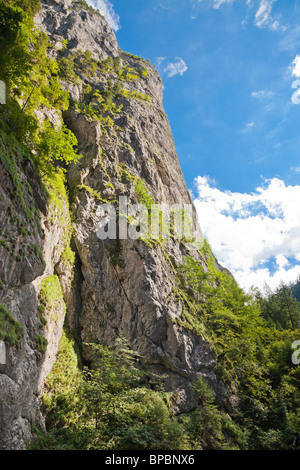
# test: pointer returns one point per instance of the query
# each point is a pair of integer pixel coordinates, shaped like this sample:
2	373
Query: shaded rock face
30	249
124	287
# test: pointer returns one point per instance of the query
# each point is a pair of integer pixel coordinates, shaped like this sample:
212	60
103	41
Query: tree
280	307
205	423
29	6
15	61
113	371
55	145
296	290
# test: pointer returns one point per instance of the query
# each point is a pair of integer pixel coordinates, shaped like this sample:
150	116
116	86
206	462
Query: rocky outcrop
124	287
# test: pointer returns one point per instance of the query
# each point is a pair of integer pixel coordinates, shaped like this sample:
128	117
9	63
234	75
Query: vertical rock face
31	246
126	286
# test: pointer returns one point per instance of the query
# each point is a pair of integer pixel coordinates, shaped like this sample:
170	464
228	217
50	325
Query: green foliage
71	65
14	39
148	424
230	319
142	193
32	83
86	64
29	6
128	74
296	290
12	155
63	387
50	297
117	63
66	69
110	409
83	5
30	76
136	95
100	108
143	72
55	145
102	104
59	212
136	57
41	344
132	56
209	428
280	308
68	256
4	243
113	372
252	337
104	406
11	331
95	194
204	424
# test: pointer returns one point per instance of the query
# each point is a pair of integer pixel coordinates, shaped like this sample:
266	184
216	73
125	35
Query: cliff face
124	287
32	243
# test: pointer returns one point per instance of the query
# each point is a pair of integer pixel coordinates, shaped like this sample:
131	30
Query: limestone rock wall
30	248
127	285
124	288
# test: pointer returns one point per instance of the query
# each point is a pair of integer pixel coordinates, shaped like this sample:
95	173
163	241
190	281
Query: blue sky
230	70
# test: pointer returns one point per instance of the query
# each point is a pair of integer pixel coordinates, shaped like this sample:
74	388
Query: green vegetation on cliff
32	84
11	331
30	139
114	410
105	407
252	336
112	404
50	298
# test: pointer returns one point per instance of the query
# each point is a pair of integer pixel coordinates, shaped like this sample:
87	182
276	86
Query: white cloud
160	60
249	231
248	127
264	18
275	25
176	68
217	3
282	261
263	14
262	94
107	10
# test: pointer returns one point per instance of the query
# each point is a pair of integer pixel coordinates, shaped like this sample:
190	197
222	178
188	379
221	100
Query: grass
11	331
